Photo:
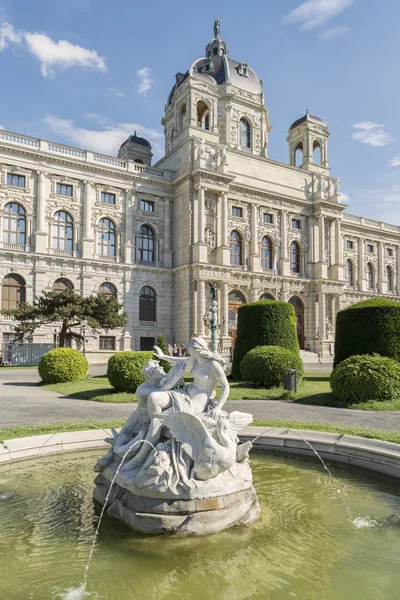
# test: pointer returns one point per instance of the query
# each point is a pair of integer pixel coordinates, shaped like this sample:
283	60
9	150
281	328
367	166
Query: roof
310	118
134	139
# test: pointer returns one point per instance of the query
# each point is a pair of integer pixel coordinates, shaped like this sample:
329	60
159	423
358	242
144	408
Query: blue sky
89	72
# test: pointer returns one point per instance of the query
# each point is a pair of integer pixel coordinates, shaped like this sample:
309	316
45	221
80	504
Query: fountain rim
374	455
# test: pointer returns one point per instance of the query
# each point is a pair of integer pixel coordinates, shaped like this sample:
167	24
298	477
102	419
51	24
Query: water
304	547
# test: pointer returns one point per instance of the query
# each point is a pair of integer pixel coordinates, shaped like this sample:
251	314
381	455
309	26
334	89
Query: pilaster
88	237
41	233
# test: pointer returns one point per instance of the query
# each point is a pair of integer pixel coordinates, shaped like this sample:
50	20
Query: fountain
184	470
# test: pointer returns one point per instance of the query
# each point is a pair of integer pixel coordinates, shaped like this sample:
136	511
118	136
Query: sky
89	72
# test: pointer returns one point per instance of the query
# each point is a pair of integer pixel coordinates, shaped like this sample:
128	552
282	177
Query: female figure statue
195	398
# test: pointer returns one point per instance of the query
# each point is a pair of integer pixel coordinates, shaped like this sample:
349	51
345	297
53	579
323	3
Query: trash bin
290	380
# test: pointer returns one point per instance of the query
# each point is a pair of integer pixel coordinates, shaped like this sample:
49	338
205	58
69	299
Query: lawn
375	434
314	389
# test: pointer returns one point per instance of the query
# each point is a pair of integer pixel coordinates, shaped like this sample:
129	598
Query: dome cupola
137	149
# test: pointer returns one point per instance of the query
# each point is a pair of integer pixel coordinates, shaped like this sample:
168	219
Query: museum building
215	209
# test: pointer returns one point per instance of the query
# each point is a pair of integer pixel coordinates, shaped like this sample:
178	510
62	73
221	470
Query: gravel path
24	402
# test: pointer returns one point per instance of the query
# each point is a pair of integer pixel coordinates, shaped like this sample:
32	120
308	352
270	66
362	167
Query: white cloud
316	13
395	161
107	137
118	93
372	134
2	126
145	80
9	36
345	198
333	33
62	54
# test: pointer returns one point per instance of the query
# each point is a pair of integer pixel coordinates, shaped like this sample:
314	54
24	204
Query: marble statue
184	469
217	28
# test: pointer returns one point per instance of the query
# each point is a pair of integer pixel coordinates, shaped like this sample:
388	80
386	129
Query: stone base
180	516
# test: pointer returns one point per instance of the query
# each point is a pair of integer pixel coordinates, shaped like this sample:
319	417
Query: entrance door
299	309
235	300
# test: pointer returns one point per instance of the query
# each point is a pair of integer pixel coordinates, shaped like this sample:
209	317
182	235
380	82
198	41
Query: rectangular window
107	342
64	189
350	244
147	205
107	198
16	180
236	211
370	248
147	343
268	218
390	251
296	224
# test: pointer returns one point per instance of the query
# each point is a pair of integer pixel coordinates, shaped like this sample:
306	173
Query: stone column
218	232
201	218
41	233
381	282
283	235
167	236
128	246
338	243
254	244
398	271
225	315
87	240
361	267
338	306
195	216
224	221
321	245
322	317
201	307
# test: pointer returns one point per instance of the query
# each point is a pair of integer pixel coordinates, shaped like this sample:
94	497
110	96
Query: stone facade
292	239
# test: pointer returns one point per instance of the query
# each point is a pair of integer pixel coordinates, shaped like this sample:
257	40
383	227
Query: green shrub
366	377
371	326
266	365
124	370
264	323
161	343
62	364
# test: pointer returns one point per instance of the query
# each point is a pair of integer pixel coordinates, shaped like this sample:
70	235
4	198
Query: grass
314	389
15	368
365	432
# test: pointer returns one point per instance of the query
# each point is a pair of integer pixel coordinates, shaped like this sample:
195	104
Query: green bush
63	364
124	370
266	365
366	377
264	323
161	343
371	326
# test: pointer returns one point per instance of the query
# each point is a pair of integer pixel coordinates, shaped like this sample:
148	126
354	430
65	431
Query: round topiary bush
62	364
371	326
264	323
266	365
366	377
124	370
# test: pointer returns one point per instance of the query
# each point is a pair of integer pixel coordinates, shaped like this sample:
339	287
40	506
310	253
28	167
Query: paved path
24	402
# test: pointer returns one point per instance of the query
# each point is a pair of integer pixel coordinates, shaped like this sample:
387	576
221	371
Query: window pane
146	244
14	224
107	198
62	231
147	304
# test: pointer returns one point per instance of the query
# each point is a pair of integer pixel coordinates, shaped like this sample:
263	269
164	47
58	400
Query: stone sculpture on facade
184	469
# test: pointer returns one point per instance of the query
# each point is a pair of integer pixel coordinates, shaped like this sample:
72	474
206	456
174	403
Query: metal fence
21	355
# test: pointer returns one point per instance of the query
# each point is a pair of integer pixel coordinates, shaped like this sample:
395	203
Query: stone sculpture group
183	469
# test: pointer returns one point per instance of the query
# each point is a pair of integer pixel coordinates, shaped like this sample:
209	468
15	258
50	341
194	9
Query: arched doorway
235	299
299	309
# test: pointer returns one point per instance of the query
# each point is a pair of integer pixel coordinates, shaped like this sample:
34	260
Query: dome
134	139
310	118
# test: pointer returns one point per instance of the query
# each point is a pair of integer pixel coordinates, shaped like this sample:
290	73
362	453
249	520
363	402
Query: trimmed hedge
264	323
266	365
124	370
63	364
366	377
371	326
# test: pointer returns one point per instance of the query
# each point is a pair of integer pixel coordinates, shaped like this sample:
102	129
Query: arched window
182	117
370	276
145	243
298	155
266	253
295	257
245	134
106	238
63	234
266	296
147	304
14	224
389	279
203	115
317	153
62	284
236	248
108	288
12	292
349	273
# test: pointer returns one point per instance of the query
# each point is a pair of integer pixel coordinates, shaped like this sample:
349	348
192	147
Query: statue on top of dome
217	28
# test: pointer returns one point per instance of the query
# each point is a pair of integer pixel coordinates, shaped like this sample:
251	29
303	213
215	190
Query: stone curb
375	455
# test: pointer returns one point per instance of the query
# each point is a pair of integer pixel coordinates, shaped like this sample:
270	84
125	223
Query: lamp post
84	324
210	319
